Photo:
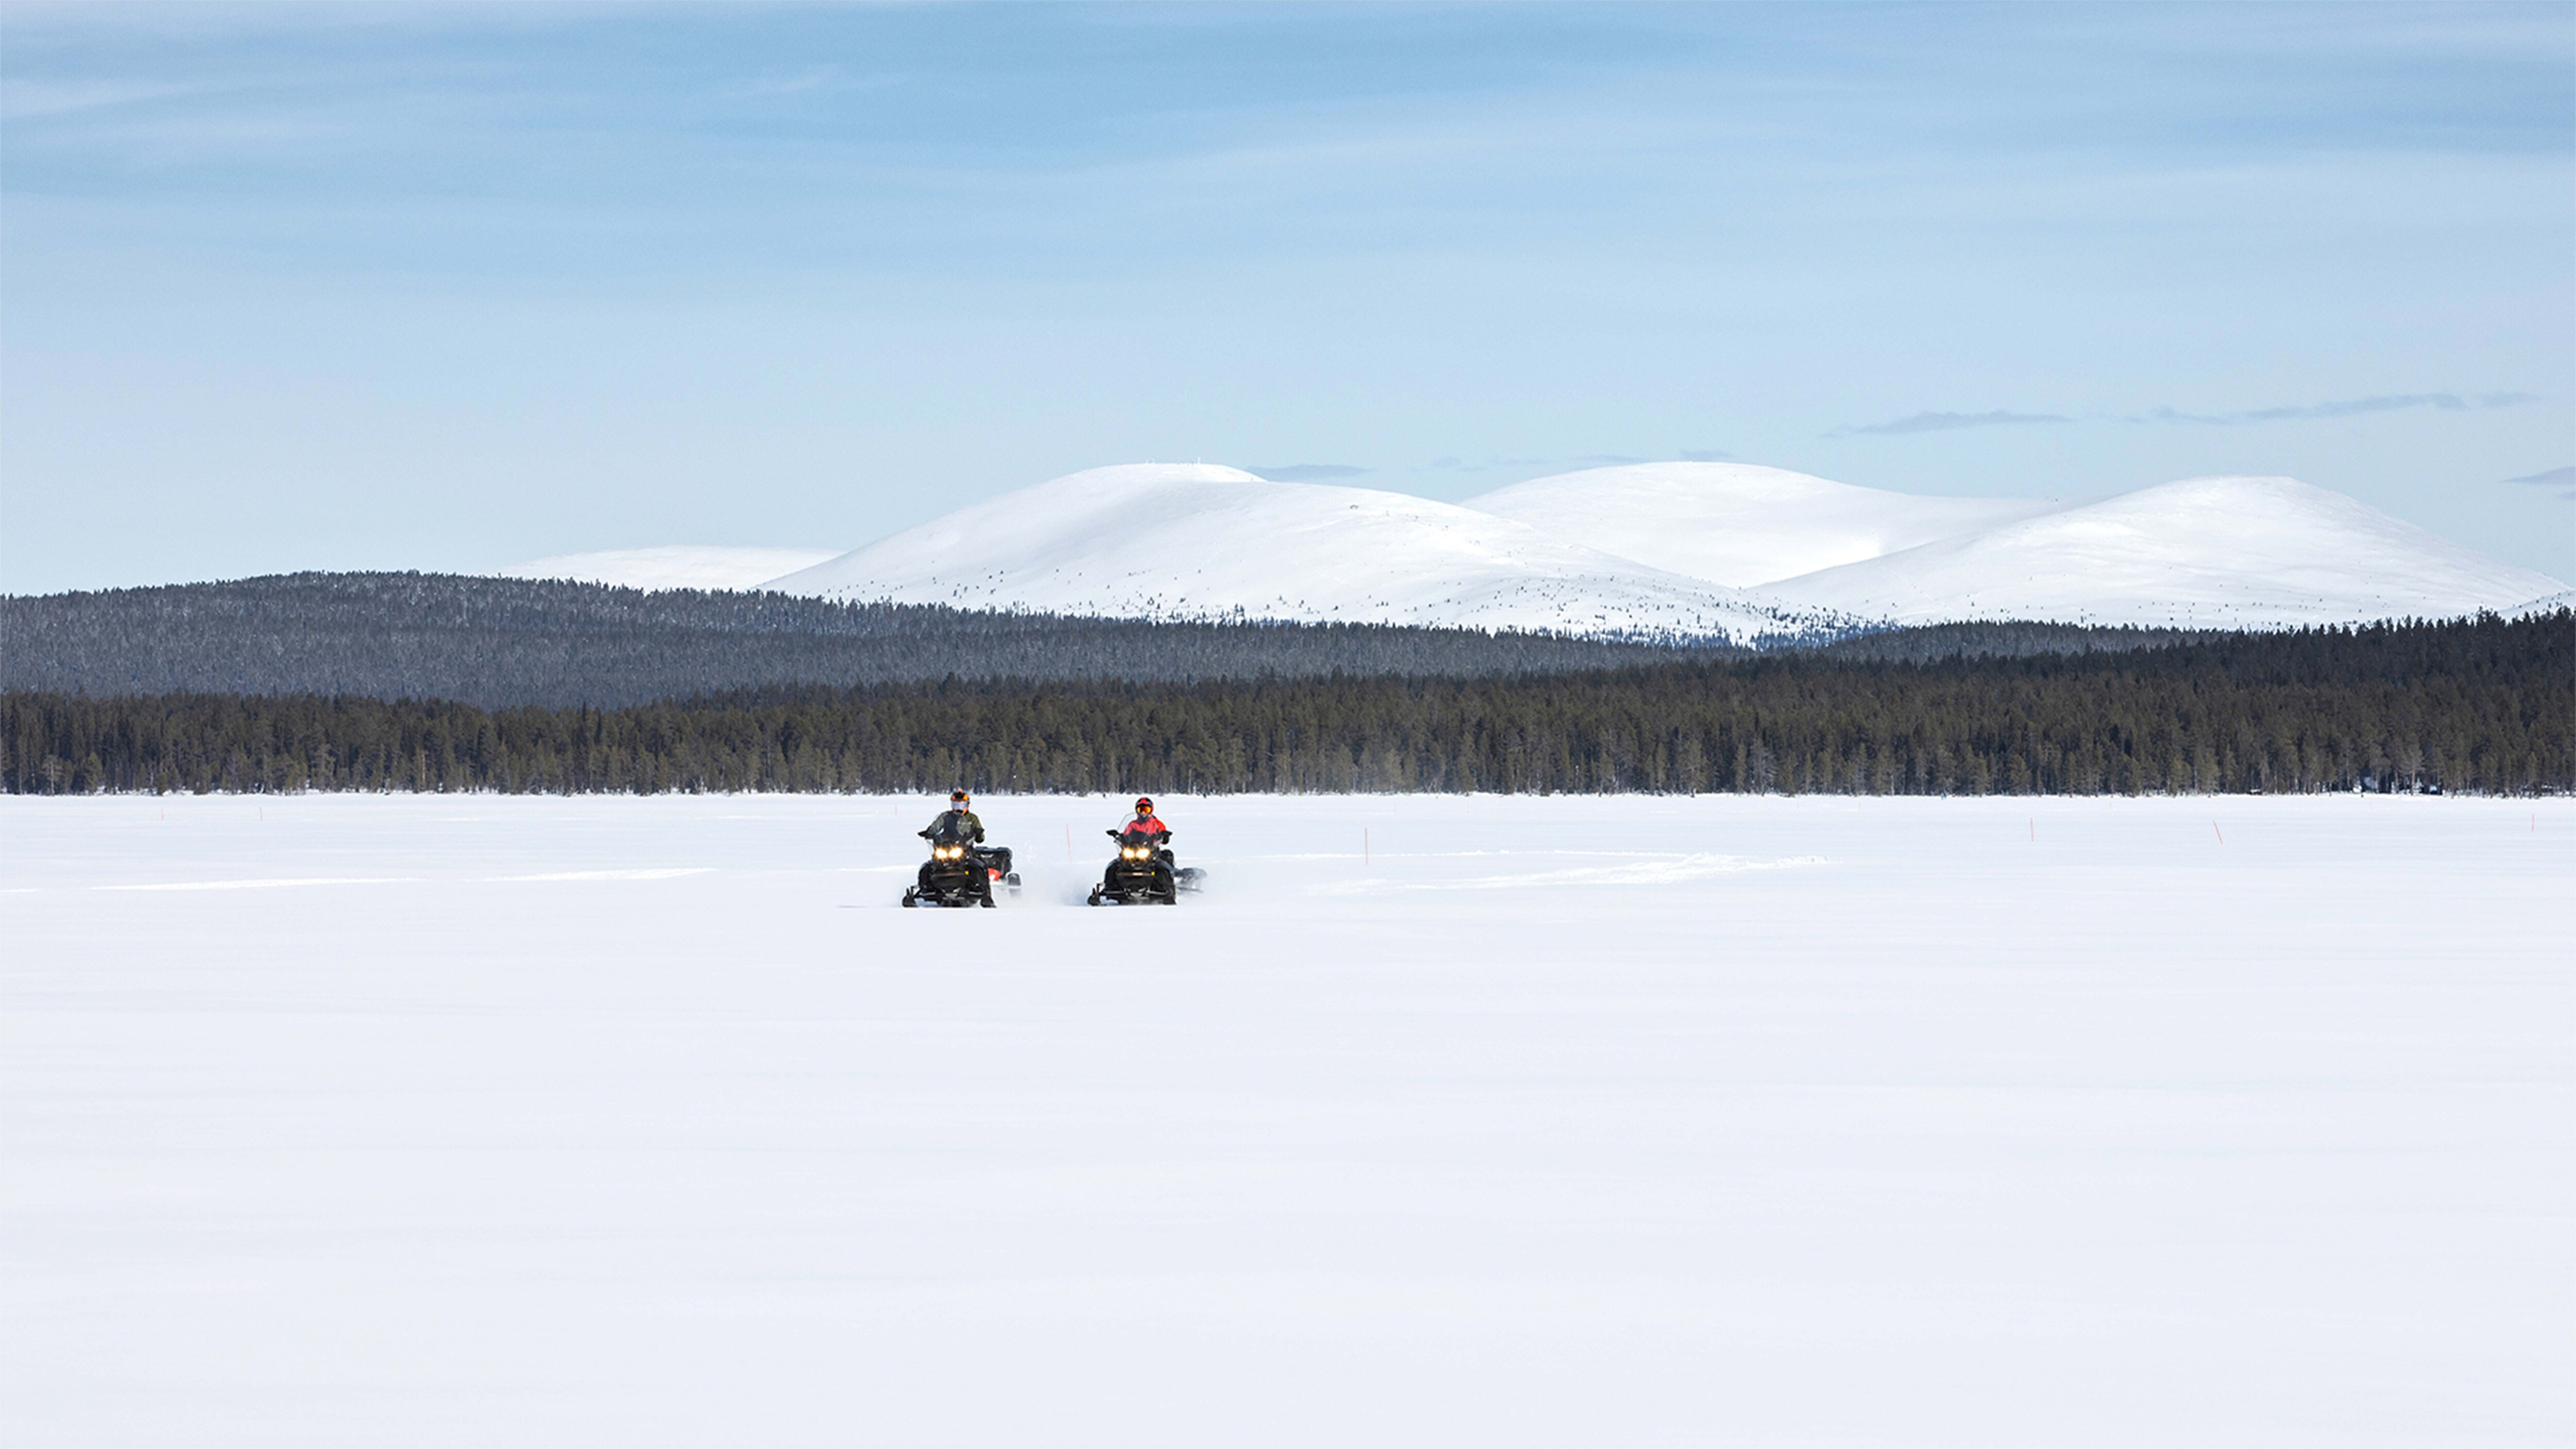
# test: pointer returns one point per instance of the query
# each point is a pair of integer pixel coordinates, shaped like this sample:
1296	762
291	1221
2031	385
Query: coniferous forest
2484	705
498	642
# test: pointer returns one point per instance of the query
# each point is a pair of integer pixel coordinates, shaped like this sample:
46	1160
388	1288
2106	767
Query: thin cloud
824	79
2559	478
1310	472
1944	422
1706	455
1464	466
2449	402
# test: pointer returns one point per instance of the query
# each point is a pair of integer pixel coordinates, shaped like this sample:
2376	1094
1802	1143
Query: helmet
1144	806
957	797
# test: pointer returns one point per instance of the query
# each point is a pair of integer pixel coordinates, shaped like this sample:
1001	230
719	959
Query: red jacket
1153	823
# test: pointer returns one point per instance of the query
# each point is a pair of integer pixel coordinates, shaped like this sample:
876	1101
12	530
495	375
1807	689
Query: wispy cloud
826	78
1944	422
2562	479
1569	461
2347	408
1582	460
1309	472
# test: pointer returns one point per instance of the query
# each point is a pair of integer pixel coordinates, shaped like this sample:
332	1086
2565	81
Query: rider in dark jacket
960	823
957	822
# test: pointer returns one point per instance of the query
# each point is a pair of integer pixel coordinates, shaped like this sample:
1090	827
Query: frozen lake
1579	1121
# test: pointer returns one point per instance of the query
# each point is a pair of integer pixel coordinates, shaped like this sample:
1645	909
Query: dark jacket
957	824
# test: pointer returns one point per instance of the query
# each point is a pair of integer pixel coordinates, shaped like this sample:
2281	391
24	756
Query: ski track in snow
260	885
660	873
1508	1122
1638	870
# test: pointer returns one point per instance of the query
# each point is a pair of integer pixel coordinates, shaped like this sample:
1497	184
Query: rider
1147	821
960	823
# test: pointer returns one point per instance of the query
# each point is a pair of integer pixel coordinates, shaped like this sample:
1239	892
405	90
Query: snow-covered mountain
676	567
2231	553
1739	523
1196	541
1644	551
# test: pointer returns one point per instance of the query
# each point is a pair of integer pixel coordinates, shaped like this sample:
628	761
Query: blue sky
360	287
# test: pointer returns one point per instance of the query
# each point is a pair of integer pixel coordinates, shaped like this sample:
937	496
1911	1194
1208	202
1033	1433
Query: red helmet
1144	806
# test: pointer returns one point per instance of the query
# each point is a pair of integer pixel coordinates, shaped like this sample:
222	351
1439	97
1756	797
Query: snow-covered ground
432	1121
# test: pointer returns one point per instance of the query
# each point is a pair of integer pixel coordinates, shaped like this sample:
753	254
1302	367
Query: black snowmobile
959	872
1143	874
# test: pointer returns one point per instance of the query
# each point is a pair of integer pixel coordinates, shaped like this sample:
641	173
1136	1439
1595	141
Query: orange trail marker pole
2221	834
2034	830
1364	847
1068	842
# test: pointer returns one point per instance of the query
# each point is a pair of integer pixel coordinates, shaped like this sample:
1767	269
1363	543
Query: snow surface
680	566
1197	541
1739	523
345	1120
2223	553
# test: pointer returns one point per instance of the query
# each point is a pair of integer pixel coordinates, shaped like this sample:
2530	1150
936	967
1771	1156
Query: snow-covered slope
1196	541
2252	553
1739	524
676	567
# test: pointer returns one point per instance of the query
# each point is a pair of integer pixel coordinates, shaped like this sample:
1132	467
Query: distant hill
495	642
1193	541
1738	523
2205	553
1649	552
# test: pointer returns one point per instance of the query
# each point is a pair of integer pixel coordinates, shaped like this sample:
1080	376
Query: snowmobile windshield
950	831
1137	835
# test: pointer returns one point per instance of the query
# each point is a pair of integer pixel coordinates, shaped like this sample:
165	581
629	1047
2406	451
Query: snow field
1575	1121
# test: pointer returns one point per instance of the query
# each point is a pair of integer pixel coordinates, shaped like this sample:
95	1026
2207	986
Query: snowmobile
1143	873
959	872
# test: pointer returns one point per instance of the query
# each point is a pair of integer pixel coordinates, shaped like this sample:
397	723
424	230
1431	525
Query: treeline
499	642
1925	642
2479	705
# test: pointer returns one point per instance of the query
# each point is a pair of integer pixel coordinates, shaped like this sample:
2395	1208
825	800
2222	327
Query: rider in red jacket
1146	820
